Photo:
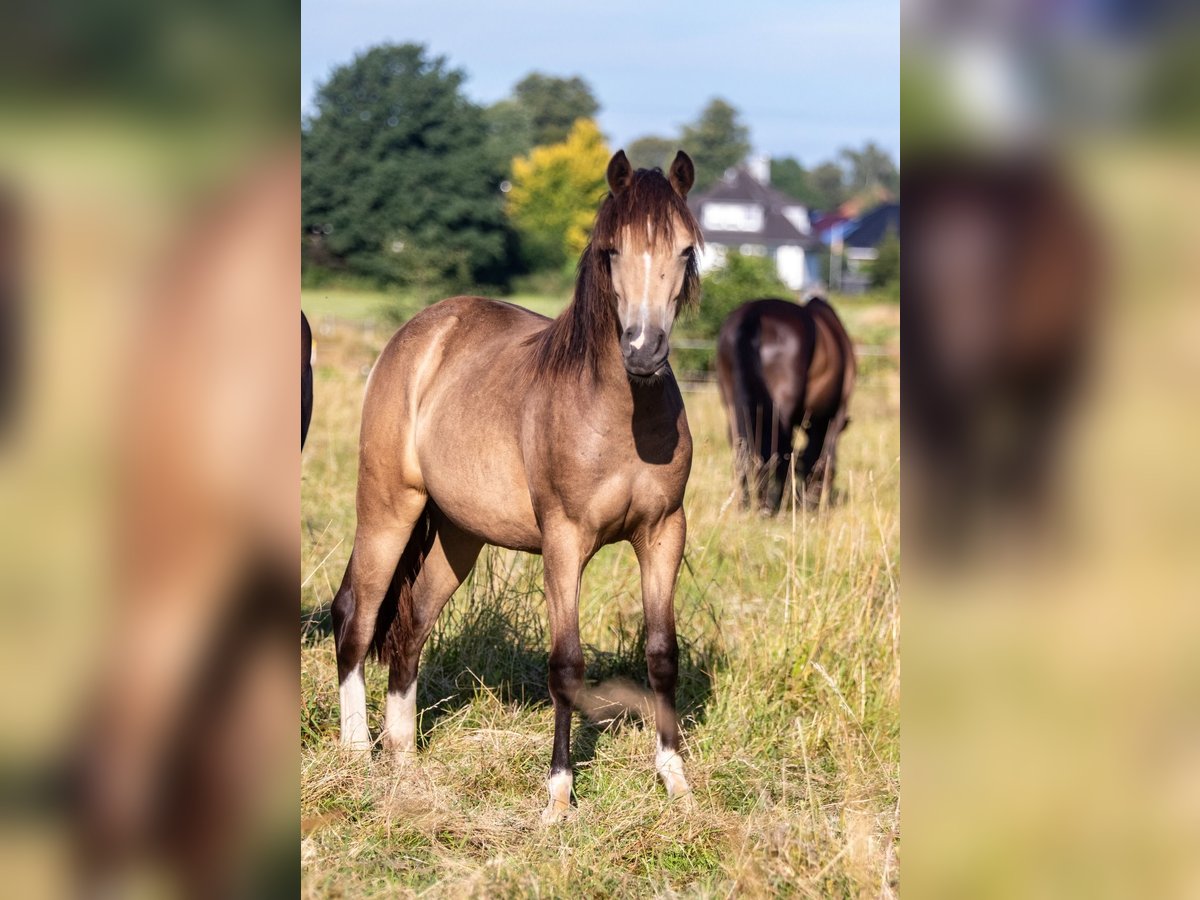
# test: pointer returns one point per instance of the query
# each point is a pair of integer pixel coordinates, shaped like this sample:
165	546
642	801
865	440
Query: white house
743	212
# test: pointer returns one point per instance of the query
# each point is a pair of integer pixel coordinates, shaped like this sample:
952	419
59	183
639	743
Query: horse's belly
485	496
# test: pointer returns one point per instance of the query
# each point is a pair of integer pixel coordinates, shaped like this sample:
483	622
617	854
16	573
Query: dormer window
732	217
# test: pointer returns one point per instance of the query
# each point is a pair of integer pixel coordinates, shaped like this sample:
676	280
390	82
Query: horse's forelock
650	208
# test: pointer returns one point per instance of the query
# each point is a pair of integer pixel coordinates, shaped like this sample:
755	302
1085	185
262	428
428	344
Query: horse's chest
618	481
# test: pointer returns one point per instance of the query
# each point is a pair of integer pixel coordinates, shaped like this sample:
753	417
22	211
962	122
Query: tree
650	151
870	168
553	104
791	178
828	185
510	131
397	183
554	196
716	141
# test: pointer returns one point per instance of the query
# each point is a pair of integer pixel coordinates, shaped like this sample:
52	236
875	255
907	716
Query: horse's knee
662	660
341	614
566	673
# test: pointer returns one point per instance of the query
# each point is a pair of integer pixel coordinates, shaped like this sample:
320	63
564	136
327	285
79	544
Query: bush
885	270
742	278
723	290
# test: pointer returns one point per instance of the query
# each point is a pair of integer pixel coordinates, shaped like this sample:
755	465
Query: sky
808	76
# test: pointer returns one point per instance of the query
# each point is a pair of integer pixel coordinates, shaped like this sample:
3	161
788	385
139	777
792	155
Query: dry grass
789	691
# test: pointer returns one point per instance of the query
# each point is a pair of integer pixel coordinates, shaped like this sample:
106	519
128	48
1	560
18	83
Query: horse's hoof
356	749
403	759
684	802
555	812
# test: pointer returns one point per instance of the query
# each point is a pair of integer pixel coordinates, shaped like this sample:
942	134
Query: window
732	217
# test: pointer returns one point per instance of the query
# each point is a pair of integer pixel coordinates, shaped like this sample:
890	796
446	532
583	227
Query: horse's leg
815	459
447	564
564	559
659	550
379	542
761	446
779	463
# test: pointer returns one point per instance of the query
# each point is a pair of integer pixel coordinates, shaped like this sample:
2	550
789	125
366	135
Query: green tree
650	151
553	104
716	141
870	168
828	186
397	183
791	178
510	131
554	196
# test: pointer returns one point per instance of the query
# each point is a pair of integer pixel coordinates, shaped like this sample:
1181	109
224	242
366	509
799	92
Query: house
860	240
742	212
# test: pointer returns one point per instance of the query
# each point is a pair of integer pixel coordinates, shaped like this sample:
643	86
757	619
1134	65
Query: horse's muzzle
644	350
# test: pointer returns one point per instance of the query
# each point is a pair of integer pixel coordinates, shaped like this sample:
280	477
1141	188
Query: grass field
789	685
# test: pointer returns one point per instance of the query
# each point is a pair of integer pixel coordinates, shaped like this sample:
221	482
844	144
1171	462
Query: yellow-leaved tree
556	190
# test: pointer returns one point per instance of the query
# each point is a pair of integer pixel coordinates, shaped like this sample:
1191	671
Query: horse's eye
612	251
688	252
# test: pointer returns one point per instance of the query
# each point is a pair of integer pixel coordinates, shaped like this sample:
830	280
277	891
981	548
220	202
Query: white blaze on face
400	717
353	695
644	311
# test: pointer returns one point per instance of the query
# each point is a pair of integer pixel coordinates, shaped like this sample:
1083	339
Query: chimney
760	168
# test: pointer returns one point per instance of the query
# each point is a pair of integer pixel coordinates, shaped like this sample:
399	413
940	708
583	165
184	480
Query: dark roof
869	229
739	186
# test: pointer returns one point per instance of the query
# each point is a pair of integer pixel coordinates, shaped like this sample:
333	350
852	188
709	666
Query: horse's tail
394	624
751	403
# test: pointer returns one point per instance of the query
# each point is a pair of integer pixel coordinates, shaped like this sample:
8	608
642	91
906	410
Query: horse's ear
620	173
683	174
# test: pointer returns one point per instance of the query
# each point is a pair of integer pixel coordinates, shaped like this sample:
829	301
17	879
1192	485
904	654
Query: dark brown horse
1002	286
485	423
783	366
306	378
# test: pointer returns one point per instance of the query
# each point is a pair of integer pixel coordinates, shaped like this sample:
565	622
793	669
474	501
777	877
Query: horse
783	366
1003	289
485	423
306	378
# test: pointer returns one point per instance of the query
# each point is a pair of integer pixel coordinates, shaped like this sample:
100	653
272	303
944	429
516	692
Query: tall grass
789	693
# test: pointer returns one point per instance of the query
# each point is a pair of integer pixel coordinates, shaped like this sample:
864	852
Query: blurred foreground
149	272
1052	334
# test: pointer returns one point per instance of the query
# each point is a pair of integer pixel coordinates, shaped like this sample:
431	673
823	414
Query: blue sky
808	77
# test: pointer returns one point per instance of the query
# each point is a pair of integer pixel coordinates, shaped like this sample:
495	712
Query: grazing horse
783	366
1002	286
484	423
306	378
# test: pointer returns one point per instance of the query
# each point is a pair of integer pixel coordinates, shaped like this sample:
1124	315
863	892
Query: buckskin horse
783	366
306	378
484	423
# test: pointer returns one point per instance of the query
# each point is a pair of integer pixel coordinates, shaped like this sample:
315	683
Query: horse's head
650	240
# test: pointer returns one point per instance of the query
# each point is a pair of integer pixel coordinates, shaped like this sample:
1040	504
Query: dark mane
573	343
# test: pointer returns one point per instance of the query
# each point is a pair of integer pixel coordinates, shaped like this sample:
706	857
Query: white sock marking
559	786
353	694
670	769
400	718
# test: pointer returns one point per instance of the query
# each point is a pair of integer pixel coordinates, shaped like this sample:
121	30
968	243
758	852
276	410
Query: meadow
789	681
